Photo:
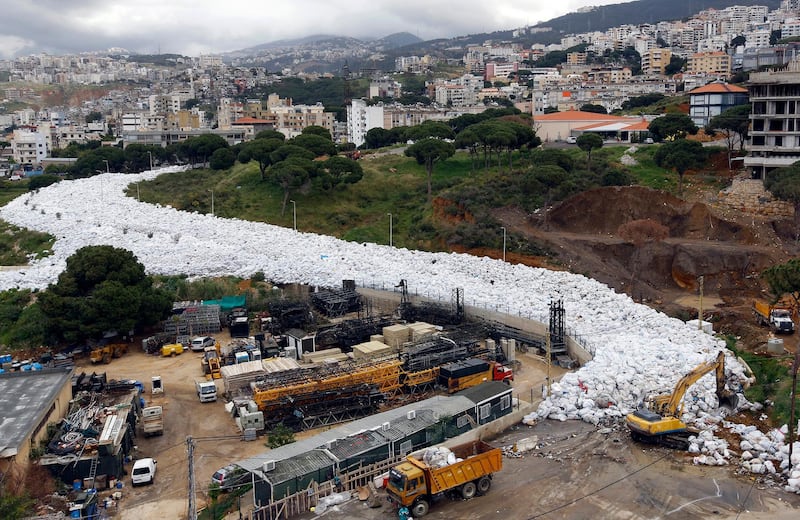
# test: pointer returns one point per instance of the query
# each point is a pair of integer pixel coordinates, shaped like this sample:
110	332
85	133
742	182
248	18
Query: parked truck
415	484
206	391
777	317
459	375
152	421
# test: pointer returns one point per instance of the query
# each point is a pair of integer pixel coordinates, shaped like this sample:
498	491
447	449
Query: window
485	411
462	421
505	402
406	447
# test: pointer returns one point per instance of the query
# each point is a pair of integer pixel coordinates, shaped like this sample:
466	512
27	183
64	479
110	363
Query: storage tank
775	345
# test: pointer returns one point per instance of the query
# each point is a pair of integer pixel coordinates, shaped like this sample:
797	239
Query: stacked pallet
372	350
420	329
279	364
324	356
377	337
396	335
236	378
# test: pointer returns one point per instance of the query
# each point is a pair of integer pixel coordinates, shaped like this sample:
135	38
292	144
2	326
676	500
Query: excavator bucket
729	401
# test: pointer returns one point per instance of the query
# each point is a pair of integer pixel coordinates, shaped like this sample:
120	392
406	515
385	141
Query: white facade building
361	119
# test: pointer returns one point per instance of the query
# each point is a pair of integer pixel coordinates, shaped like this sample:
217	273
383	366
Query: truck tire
484	484
419	509
468	490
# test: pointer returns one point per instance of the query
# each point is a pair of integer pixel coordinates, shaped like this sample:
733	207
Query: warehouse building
29	401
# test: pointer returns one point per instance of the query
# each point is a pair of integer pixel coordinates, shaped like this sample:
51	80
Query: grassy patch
18	244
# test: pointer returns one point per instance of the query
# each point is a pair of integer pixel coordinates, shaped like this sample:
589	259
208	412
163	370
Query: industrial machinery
107	352
211	362
660	422
460	375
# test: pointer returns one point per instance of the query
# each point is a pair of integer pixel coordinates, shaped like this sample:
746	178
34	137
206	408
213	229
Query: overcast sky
192	27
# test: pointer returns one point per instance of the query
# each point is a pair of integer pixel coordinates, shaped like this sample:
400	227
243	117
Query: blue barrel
6	358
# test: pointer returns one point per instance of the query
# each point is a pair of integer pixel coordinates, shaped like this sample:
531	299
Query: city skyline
206	27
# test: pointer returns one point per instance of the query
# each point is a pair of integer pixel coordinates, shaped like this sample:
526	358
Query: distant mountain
396	40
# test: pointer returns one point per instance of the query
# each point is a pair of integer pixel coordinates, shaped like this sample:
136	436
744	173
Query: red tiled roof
718	88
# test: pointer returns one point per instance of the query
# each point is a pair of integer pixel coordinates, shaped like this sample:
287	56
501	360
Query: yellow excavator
659	422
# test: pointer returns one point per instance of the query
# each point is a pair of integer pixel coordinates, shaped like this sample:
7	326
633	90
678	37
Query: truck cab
206	391
406	483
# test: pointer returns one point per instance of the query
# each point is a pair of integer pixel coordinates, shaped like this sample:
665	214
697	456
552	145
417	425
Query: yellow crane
660	422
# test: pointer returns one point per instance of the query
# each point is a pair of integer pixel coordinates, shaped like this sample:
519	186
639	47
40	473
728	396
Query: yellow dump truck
415	483
777	317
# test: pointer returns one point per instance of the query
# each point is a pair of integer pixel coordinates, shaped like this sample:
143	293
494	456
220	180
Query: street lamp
390	229
294	215
107	168
151	158
212	202
504	243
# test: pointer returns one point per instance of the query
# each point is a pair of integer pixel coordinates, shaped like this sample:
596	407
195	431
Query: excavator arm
662	422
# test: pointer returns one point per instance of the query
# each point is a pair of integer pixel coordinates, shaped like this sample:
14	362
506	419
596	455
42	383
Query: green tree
260	150
588	142
680	155
672	126
339	170
40	181
675	65
279	436
738	40
290	174
290	150
597	109
784	183
103	288
378	138
734	124
429	128
784	279
15	507
316	144
93	116
317	130
222	159
427	152
270	134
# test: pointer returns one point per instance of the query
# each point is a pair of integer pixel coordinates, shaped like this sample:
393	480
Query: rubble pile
636	350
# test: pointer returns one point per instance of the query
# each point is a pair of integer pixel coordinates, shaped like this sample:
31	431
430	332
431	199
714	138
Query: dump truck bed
480	459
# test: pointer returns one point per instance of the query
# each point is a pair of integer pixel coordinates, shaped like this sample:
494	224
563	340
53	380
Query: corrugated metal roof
356	444
299	465
444	405
485	391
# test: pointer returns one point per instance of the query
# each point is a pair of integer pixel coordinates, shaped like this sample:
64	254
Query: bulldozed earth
725	246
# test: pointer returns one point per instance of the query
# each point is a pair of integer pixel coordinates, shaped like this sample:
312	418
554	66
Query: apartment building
361	119
711	63
775	120
711	100
655	61
29	147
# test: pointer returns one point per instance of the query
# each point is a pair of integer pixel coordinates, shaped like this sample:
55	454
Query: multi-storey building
712	63
361	119
29	147
711	100
774	139
655	61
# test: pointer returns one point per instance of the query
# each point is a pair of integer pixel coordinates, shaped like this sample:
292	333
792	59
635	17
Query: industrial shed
291	468
29	401
492	400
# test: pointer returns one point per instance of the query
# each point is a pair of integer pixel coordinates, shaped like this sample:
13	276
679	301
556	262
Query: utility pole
192	505
700	311
549	358
792	425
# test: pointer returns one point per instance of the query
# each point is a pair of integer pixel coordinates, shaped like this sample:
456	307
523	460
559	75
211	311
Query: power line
624	477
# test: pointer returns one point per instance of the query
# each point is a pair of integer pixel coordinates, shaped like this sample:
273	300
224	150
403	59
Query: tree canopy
672	126
784	279
588	142
733	123
680	155
102	289
784	183
427	152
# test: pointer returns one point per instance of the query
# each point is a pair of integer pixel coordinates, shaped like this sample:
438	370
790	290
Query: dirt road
580	472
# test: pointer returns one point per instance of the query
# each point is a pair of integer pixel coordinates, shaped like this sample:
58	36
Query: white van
143	472
201	342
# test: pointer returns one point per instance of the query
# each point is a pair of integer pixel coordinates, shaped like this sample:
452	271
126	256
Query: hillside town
182	97
171	350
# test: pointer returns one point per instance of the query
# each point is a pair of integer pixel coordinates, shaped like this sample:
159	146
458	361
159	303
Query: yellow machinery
660	422
106	352
210	362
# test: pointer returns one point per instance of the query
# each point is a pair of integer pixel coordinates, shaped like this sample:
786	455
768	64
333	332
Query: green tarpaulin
227	303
